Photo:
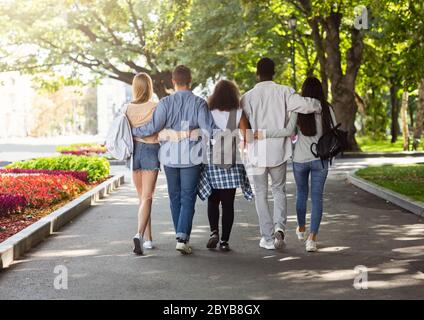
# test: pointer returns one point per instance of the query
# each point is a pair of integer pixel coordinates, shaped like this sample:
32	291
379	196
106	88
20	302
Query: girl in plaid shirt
217	184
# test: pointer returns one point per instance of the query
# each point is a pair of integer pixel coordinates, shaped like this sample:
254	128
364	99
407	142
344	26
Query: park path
358	229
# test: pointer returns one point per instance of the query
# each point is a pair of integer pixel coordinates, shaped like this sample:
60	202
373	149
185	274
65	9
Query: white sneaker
269	245
138	240
311	246
148	245
300	235
184	248
280	236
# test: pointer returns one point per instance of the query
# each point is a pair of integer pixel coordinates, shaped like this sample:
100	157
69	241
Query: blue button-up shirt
180	112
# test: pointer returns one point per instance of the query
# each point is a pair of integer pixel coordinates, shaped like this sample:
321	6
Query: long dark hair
312	88
225	97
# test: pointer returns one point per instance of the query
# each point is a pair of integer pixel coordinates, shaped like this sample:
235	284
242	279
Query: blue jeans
318	177
182	190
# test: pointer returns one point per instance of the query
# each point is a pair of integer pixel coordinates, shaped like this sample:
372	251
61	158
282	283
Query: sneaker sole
137	246
263	247
212	243
183	251
279	243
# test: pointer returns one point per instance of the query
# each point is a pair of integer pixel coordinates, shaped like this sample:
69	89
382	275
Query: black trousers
225	197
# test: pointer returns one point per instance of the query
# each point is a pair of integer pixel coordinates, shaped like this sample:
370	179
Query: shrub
80	175
97	168
11	204
82	149
42	190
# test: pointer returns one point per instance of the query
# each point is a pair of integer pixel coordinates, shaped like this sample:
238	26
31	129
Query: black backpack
330	144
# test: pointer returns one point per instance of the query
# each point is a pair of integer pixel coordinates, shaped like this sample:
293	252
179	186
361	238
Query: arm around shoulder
285	132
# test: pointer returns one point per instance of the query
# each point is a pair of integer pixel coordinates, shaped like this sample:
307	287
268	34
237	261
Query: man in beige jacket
267	106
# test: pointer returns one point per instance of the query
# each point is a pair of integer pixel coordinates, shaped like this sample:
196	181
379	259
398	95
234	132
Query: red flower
41	190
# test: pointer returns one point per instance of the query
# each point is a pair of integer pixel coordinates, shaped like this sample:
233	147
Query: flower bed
30	190
41	191
80	175
97	168
82	149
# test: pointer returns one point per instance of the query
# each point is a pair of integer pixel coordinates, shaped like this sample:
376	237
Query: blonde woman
145	158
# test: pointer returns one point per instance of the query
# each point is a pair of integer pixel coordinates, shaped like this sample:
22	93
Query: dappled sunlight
246	225
260	297
65	253
398	282
410	252
333	249
113	255
408	239
289	259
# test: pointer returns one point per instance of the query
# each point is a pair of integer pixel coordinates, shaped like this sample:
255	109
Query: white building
111	95
16	95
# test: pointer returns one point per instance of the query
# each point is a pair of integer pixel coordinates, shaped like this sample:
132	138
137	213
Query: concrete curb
398	199
350	155
23	241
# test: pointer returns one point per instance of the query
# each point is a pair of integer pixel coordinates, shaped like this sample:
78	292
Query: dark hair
312	88
225	97
182	75
265	68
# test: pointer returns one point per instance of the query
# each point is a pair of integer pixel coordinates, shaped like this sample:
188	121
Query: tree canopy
366	68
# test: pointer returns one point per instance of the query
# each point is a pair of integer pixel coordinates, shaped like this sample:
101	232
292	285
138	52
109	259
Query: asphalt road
358	229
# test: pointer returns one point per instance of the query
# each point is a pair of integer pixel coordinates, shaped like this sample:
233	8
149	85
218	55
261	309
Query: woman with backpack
219	181
311	127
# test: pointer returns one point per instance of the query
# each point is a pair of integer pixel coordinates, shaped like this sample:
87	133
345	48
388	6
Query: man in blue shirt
182	160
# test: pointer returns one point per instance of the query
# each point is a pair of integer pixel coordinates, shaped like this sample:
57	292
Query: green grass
407	180
367	144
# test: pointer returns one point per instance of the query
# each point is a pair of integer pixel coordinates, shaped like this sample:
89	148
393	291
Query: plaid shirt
213	177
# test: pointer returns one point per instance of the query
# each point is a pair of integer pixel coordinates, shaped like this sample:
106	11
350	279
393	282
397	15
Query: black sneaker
213	240
224	246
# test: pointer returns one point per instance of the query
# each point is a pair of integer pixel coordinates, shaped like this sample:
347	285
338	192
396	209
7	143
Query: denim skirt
146	156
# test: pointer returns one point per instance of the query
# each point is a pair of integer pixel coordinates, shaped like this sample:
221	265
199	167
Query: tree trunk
343	85
394	101
360	103
404	117
162	83
419	118
345	109
319	47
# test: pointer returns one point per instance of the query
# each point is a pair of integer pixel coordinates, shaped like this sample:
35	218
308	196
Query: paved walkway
358	229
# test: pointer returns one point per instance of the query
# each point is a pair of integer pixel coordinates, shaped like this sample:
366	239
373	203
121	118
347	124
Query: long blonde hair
142	88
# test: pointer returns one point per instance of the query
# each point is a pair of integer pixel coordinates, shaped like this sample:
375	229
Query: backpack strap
232	120
312	149
124	108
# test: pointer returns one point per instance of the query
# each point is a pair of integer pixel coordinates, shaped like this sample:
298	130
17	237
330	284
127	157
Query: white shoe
280	236
148	245
300	235
138	240
311	246
269	245
184	248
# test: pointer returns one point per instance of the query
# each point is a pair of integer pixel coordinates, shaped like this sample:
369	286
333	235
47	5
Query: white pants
267	224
